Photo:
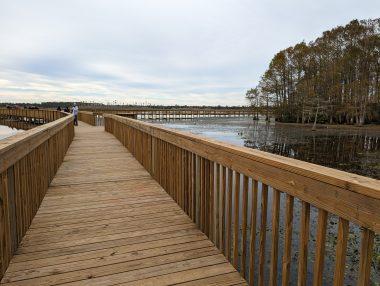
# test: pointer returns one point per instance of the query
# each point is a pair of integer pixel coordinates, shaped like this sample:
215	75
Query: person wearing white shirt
75	113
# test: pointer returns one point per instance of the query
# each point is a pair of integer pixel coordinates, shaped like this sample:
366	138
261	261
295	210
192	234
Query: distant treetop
334	79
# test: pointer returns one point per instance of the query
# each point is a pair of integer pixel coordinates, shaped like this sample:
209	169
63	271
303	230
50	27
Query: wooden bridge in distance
146	205
94	116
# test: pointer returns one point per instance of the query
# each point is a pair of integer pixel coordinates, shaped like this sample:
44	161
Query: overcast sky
156	51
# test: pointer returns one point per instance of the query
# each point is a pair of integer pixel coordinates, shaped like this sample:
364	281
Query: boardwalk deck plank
105	221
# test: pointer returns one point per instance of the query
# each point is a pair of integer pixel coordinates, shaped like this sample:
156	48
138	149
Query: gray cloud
167	51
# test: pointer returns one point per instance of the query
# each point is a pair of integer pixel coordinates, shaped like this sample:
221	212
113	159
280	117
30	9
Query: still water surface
6	131
355	150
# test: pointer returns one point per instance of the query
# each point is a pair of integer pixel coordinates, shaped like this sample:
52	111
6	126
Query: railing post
12	208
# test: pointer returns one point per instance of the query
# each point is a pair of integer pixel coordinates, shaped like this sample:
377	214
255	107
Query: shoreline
248	120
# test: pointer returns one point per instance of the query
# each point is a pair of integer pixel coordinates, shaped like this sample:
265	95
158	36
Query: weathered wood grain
104	218
28	163
352	198
347	195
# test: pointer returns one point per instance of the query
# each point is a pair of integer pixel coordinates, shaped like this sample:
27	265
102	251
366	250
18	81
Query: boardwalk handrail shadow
28	163
221	187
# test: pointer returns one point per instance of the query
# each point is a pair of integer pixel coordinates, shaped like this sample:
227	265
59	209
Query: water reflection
353	150
9	128
350	149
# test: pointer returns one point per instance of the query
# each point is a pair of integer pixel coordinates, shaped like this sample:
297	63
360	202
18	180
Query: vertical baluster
341	250
182	169
183	177
263	232
206	195
303	244
163	165
275	236
365	257
236	221
168	169
286	259
157	167
196	190
244	227
320	247
252	239
223	213
217	206
194	187
189	182
184	182
173	171
199	191
229	215
177	173
211	200
18	194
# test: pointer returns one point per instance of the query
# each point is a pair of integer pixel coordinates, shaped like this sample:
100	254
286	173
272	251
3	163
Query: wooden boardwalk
105	221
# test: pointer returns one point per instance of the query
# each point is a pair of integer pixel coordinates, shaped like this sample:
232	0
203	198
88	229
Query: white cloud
167	51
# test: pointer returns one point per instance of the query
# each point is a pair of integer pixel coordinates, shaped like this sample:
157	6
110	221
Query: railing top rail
353	197
17	146
353	182
29	109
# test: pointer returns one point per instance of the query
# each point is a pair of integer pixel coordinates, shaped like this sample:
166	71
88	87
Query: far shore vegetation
334	79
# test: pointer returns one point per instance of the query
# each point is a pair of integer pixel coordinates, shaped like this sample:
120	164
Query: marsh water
7	131
351	149
355	150
9	127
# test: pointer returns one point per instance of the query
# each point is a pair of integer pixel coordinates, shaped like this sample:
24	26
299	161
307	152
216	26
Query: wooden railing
36	115
95	117
20	125
175	113
87	117
28	163
229	192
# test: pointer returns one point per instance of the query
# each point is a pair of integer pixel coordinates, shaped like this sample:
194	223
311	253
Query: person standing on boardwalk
75	113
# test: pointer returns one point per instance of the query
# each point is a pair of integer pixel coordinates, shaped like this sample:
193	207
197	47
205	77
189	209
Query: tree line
334	79
95	105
